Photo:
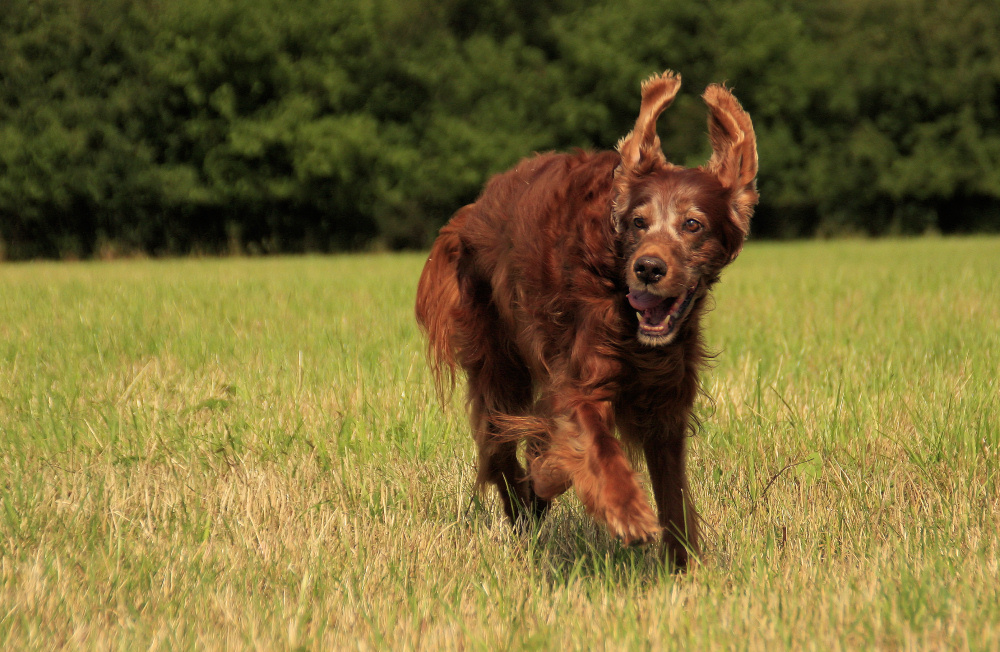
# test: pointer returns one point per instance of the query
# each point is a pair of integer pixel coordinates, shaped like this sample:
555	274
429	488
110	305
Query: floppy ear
734	153
640	149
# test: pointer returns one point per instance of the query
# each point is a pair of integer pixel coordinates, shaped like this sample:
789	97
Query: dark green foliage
273	125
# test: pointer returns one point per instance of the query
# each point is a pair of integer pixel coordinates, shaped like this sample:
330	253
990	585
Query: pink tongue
644	300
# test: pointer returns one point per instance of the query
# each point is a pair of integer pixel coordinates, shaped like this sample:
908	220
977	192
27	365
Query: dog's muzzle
660	317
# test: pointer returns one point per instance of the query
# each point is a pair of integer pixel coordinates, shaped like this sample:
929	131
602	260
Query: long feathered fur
551	294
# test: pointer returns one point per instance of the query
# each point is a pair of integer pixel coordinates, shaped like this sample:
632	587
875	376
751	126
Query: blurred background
168	127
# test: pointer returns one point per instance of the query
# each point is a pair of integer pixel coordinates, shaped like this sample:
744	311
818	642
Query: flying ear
734	153
642	145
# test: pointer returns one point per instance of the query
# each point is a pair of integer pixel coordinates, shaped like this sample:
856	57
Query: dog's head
679	227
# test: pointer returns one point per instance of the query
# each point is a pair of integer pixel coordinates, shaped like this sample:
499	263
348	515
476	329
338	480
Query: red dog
571	293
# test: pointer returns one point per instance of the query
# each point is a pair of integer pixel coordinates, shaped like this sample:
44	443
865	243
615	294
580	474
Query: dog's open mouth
660	317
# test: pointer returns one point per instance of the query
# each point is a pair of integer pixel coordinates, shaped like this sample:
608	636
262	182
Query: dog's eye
692	225
639	222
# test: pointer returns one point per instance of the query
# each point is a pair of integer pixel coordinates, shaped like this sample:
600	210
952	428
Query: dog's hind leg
499	466
500	389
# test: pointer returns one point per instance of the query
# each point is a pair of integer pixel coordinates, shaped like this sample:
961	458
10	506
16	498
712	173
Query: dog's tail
438	299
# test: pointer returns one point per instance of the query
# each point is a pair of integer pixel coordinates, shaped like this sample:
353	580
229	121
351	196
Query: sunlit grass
249	453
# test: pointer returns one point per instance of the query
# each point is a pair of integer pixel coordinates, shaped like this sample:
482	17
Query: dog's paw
634	522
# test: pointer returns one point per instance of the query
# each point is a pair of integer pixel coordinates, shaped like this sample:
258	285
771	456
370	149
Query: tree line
186	126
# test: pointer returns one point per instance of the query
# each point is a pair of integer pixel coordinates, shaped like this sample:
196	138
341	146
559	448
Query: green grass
248	453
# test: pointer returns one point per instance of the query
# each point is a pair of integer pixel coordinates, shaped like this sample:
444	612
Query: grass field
247	453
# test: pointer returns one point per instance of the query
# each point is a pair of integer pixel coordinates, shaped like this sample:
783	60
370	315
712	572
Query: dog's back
526	250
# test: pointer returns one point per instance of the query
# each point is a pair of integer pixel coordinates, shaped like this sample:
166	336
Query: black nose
650	269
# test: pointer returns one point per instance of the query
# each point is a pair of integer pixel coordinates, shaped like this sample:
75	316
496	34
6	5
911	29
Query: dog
571	294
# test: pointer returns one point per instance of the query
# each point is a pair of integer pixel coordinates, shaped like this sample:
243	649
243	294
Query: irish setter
571	293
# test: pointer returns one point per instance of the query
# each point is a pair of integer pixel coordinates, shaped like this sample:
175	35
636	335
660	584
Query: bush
273	125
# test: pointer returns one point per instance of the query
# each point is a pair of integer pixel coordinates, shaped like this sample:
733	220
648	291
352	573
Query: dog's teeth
638	315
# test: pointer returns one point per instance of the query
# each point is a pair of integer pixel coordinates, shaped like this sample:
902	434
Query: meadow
248	454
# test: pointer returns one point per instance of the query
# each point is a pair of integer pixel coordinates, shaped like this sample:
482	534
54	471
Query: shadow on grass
572	547
568	546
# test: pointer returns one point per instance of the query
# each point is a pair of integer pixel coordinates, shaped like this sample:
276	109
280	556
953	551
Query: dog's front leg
585	454
663	439
665	459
